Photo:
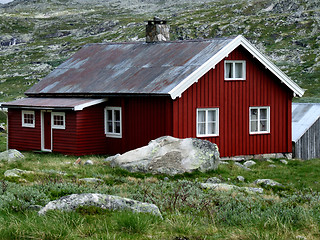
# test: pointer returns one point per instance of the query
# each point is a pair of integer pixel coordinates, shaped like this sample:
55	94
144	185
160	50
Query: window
207	122
259	119
58	120
113	122
234	70
28	119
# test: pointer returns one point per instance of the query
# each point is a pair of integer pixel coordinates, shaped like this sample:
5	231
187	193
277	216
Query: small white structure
306	130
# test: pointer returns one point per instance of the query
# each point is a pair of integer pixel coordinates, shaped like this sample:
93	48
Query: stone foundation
258	157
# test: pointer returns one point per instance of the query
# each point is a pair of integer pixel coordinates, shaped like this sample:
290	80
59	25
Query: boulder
88	162
16	172
249	163
267	182
240	179
104	201
170	156
213	180
11	155
242	166
228	187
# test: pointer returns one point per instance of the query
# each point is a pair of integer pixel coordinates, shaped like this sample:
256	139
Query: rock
228	187
104	201
16	172
166	179
240	178
90	180
223	162
88	162
35	207
11	155
284	161
241	166
213	180
267	182
272	166
170	156
77	162
270	161
249	163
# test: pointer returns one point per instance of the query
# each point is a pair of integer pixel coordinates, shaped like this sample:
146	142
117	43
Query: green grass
189	212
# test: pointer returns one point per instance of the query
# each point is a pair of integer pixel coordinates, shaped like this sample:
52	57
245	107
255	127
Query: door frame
42	131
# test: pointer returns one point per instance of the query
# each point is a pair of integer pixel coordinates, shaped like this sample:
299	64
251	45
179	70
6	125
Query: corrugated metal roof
53	103
304	115
129	68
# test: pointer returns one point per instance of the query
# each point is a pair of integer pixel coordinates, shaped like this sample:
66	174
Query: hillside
37	35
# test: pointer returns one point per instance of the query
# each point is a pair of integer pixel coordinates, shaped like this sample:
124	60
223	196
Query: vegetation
189	212
49	32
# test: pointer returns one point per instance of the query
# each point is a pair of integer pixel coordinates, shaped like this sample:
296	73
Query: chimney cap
157	20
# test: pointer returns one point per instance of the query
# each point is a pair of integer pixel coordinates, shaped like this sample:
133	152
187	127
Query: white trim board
224	52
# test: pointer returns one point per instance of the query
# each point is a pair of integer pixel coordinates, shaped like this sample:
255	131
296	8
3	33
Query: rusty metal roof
128	68
75	104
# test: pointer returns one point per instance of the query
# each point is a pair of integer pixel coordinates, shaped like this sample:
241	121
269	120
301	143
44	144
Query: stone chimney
157	31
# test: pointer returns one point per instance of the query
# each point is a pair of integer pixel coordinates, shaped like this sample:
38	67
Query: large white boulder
170	155
11	155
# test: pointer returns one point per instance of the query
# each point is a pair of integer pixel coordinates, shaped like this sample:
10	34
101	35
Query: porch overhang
73	104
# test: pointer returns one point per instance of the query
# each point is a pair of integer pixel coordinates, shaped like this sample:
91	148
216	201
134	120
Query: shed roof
304	115
164	68
75	104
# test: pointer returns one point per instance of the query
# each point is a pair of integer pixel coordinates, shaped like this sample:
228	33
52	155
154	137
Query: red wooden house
113	97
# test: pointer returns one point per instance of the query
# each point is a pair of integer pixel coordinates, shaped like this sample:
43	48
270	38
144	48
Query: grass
189	212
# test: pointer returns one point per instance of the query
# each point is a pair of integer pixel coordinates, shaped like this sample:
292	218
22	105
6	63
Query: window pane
254	114
263	125
109	127
117	127
263	114
117	115
201	116
201	128
254	126
211	128
229	70
238	70
211	115
109	113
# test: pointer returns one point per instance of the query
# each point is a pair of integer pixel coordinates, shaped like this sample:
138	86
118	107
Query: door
46	131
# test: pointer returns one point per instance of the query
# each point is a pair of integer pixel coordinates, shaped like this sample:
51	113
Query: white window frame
233	62
24	124
206	110
64	120
259	119
113	134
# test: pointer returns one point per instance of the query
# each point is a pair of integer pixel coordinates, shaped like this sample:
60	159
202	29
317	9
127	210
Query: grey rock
240	178
272	166
249	163
284	161
224	162
72	202
90	180
214	180
170	156
241	166
270	161
267	182
88	162
11	155
228	187
16	172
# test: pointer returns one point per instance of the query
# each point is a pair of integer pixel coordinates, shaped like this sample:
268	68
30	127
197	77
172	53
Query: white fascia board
89	104
272	67
224	52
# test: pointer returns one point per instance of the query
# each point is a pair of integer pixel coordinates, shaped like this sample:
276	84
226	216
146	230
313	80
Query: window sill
29	126
215	135
113	135
234	79
259	133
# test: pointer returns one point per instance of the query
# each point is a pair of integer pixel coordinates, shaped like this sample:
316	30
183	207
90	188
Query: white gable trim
89	104
224	52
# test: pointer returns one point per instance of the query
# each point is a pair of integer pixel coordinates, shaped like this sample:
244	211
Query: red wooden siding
233	98
23	138
144	119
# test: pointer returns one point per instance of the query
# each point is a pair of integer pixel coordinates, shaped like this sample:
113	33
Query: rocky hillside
37	35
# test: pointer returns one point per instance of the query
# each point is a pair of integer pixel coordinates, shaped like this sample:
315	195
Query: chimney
157	31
